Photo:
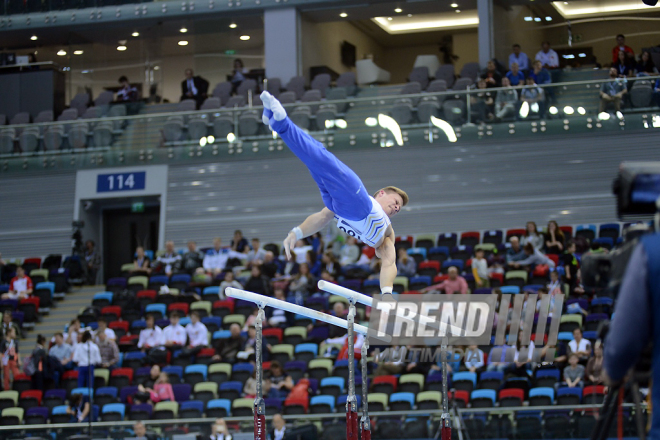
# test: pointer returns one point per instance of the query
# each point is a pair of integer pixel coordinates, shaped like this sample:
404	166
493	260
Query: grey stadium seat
102	134
321	82
92	113
247	85
187	105
70	114
296	85
7	136
427	107
80	102
470	70
105	98
454	111
274	86
312	96
173	129
325	112
117	111
256	101
249	123
412	88
402	111
28	140
302	116
438	85
641	93
420	75
446	72
212	103
78	136
287	97
222	126
53	137
347	80
338	94
462	83
44	116
236	101
20	119
223	92
197	127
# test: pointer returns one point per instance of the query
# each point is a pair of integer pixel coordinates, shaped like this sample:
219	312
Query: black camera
637	191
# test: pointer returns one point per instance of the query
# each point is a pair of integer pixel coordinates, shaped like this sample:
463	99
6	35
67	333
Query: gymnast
345	198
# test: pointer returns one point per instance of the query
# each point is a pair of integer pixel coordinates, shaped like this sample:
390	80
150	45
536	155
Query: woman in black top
39	363
257	283
554	239
645	66
280	382
623	66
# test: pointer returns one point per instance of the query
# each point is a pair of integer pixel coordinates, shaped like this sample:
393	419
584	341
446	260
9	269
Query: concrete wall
511	28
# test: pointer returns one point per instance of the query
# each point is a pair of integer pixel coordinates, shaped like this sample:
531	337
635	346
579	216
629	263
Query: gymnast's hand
273	110
289	243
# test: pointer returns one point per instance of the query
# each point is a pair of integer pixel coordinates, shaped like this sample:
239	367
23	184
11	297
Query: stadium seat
464	380
295	406
105	395
541	396
140	411
36	416
218	408
569	396
8	399
165	410
192	409
194	374
219	372
460	398
322	404
12	416
113	412
174	372
547	378
133	360
491	380
377	401
471	238
439	254
483	398
586	231
121	377
428	268
593	394
59	414
402	401
412	383
53	398
601	305
511	397
333	386
305	352
568	323
593	321
384	384
205	391
492	237
429	400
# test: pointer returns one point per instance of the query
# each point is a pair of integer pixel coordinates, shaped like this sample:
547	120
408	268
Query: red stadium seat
470	238
384	384
291	406
459	395
567	230
440	278
273	333
497	276
517	232
111	313
511	397
182	308
429	268
554	258
119	326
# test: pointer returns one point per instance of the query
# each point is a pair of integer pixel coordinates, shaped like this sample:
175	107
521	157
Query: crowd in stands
165	333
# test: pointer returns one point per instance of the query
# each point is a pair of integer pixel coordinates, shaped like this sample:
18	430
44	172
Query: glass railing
160	134
512	422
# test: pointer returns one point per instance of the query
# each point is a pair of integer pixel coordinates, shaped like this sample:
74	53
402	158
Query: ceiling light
409	15
537	18
210	139
61	52
548	18
458	11
183	30
34	38
121	48
529	18
77	52
135	34
398	10
233	25
569	110
454	5
565	212
245	37
156	67
182	43
343	15
389	18
468	19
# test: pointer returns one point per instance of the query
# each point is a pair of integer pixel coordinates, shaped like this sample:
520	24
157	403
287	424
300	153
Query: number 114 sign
121	182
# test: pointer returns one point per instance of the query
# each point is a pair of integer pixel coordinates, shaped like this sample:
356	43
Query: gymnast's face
391	202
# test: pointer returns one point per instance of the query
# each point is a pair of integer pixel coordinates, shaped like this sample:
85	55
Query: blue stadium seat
569	396
211	290
483	398
317	404
191	409
84	391
118	409
565	336
610	230
180	278
541	396
606	242
307	348
159	279
402	401
332	385
183	321
105	296
417	283
221	334
156	308
419	251
534	288
510	289
219	403
174	370
449	263
464	376
61	409
438	253
107	391
196	369
341	400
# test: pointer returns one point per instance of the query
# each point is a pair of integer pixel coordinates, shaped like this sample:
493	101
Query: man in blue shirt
518	57
516	77
612	91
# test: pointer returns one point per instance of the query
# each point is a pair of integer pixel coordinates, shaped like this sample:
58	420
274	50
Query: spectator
506	100
474	359
103	328
145	389
258	283
78	409
280	382
279	428
594	370
257	254
194	87
483	103
192	259
548	57
518	57
555	285
198	335
330	263
229	281
216	258
339	310
540	75
250	346
20	286
491	75
151	336
162	391
561	355
579	346
127	93
92	262
72	336
574	373
303	284
453	284
39	354
219	430
108	350
395	366
522	360
645	65
11	360
480	269
516	77
406	266
228	349
277	317
612	91
61	351
239	243
620	47
170	261
533	94
532	236
142	263
554	239
269	266
300	251
314	263
174	335
350	252
8	323
139	430
86	355
571	266
237	74
497	358
533	256
624	68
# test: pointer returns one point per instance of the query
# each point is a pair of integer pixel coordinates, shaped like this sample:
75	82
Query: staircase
60	315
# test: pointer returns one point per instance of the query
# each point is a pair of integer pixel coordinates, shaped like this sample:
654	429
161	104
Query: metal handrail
41	63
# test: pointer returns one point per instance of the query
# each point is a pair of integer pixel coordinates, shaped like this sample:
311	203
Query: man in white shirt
215	259
257	254
547	56
197	335
71	337
174	335
150	337
103	328
519	57
279	428
86	355
20	286
580	346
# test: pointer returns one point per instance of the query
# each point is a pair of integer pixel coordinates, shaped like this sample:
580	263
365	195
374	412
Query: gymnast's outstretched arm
387	253
312	224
